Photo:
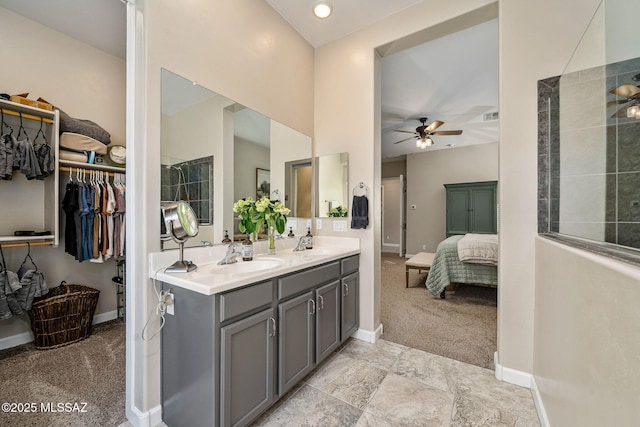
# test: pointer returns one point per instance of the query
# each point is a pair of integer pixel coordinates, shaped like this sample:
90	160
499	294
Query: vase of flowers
249	216
275	216
337	212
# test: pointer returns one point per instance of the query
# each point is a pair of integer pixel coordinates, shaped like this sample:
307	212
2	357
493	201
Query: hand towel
360	212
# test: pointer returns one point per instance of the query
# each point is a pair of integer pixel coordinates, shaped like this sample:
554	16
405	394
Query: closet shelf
15	109
89	166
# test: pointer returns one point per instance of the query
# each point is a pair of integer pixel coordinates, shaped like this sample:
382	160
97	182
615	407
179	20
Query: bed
447	268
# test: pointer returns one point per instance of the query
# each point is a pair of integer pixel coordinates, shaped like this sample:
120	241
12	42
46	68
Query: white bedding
479	249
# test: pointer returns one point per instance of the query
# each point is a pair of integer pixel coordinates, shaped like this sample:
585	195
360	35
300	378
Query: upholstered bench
421	261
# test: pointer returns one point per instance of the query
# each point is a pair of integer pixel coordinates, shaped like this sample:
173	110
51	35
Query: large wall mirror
215	151
332	177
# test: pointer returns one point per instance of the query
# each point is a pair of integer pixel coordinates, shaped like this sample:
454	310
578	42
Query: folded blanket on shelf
479	249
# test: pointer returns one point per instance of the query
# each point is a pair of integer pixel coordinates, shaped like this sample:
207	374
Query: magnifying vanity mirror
332	177
181	223
215	151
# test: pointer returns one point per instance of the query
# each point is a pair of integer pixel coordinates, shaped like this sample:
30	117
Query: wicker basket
63	316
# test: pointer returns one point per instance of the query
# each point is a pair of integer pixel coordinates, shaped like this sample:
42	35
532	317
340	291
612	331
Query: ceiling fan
423	133
630	103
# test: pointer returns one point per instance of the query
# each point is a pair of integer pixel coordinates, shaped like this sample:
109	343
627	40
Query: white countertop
210	278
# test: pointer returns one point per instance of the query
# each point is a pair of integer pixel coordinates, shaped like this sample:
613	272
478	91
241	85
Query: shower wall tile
629	197
629	147
629	234
583	151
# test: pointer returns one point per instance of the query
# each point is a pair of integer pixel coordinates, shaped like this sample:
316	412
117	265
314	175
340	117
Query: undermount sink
242	267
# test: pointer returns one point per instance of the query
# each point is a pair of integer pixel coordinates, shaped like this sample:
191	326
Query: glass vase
271	233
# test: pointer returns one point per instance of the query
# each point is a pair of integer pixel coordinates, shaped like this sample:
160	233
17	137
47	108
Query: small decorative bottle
291	232
226	239
309	239
247	249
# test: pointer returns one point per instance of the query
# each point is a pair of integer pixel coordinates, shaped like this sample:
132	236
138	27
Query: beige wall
242	50
587	339
247	157
529	52
426	175
86	83
394	169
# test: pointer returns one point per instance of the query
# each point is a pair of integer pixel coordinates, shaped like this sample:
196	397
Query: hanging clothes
70	206
7	150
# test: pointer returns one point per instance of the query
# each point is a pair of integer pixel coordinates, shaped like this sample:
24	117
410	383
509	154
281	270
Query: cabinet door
327	319
457	211
350	314
295	340
247	370
483	210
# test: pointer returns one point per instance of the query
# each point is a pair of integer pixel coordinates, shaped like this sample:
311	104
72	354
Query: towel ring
360	188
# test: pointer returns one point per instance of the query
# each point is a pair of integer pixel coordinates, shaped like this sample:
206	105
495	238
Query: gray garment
33	286
28	161
10	285
46	159
7	149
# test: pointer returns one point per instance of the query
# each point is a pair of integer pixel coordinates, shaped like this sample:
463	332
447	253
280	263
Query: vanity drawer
351	264
300	282
243	300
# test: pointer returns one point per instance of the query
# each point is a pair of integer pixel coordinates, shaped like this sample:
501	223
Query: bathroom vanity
233	349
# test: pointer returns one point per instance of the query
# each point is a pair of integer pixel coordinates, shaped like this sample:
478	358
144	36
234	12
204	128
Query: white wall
242	50
426	175
587	339
247	157
86	83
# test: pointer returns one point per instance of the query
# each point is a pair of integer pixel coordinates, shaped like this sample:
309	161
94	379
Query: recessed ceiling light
322	9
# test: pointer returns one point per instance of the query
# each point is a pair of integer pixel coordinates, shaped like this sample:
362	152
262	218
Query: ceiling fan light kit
634	111
322	9
423	133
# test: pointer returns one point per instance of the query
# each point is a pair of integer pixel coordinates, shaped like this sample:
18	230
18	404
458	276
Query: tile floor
390	385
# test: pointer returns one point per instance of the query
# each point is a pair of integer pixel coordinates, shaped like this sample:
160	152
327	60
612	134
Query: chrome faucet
206	243
302	243
231	256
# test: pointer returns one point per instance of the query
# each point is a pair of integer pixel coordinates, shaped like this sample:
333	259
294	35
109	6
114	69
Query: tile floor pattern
387	384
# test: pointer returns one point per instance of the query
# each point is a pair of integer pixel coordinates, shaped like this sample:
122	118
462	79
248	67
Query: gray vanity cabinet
327	319
226	358
295	340
247	368
350	314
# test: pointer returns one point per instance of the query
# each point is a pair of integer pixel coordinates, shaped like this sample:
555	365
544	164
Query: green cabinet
472	208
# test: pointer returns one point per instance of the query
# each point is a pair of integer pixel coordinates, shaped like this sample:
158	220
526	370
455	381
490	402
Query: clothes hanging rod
26	116
88	166
24	244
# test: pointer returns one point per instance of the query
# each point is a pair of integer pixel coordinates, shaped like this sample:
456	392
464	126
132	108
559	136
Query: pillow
78	142
83	127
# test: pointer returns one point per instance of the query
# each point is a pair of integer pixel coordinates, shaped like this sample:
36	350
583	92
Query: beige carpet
462	326
91	371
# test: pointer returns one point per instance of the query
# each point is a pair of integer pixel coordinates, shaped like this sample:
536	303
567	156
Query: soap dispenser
308	239
247	249
226	239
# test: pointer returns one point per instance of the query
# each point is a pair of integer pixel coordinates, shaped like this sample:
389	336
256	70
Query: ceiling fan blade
447	132
433	126
406	131
618	102
626	90
403	140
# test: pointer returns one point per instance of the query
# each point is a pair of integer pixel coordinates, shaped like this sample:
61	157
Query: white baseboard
390	247
27	337
368	336
511	376
151	418
537	399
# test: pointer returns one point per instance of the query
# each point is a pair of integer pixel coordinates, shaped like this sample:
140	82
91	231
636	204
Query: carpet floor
91	372
461	327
